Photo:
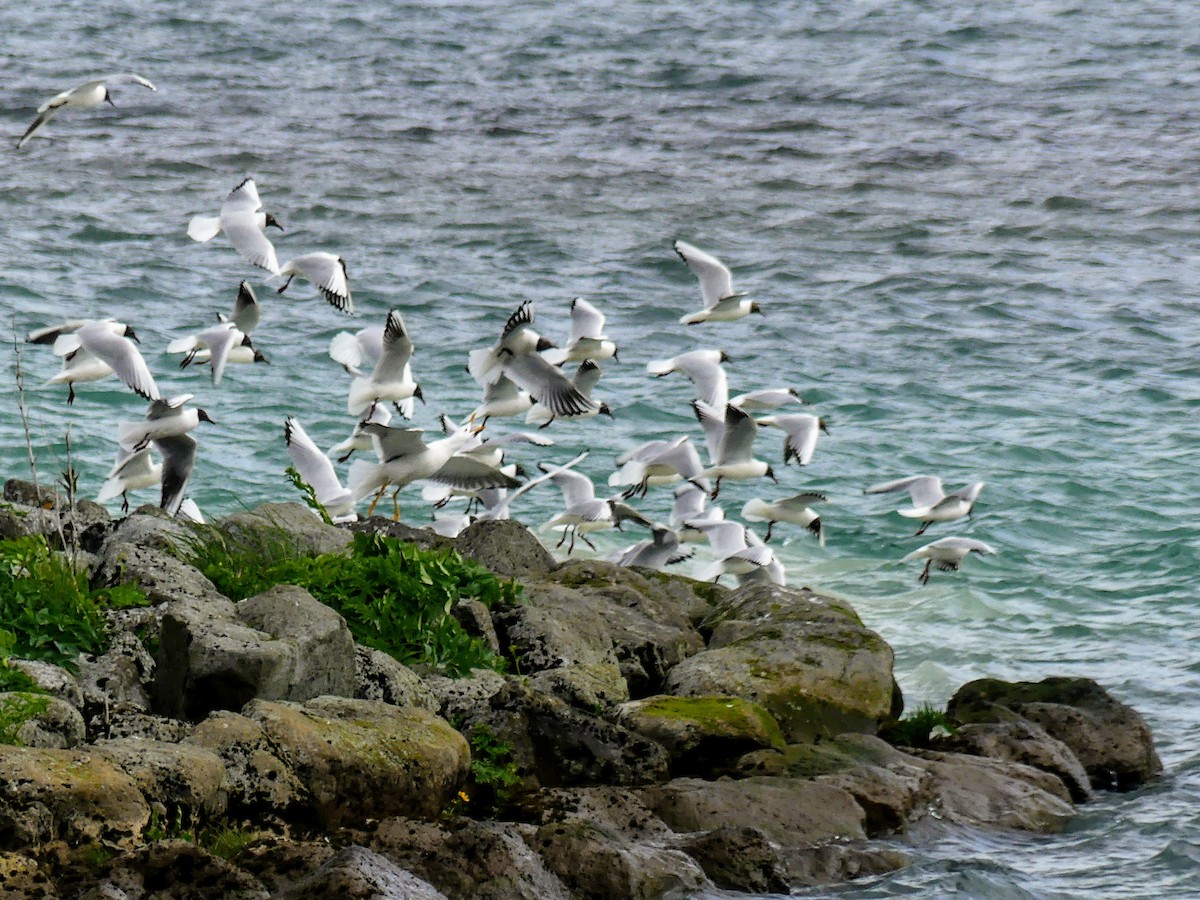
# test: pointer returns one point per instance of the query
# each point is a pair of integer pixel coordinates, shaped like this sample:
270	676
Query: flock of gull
467	466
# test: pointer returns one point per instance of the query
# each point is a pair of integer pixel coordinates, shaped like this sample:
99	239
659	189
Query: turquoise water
972	229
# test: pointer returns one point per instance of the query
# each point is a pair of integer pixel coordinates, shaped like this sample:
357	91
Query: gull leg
767	539
124	502
546	424
716	489
584	538
70	392
571	548
921	530
285	284
562	540
371	508
396	503
924	576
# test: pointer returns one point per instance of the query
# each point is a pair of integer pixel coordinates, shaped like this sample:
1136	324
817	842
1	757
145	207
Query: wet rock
271	523
839	863
377	676
807	659
468	860
67	794
1110	739
185	779
362	759
739	858
702	734
505	547
357	872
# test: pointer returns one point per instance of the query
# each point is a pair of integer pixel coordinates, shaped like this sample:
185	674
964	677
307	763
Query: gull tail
203	228
660	366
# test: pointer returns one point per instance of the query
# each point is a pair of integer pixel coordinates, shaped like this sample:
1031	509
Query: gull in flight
583	511
502	398
658	462
219	345
327	272
587	339
735	448
85	96
391	379
133	470
792	509
516	355
659	550
164	419
947	554
691	510
96	349
929	502
179	457
587	376
244	223
802	433
768	398
731	552
359	353
703	369
317	471
721	304
246	310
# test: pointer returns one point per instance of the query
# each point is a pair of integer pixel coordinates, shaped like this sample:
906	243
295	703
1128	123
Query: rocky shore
661	737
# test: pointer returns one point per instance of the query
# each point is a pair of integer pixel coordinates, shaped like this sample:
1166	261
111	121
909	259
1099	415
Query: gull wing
122	355
397	350
313	465
737	441
179	456
393	443
328	273
546	384
220	340
246	309
586	321
468	473
241	227
716	282
713	423
707	375
925	490
242	199
121	78
576	487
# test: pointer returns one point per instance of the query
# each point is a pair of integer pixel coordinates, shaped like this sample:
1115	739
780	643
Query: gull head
605	410
823	425
108	99
724	356
755	308
770	473
269	221
202	416
260	357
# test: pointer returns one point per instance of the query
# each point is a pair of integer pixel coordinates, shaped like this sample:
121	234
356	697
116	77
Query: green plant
225	842
914	729
15	711
172	829
493	774
394	596
310	494
46	606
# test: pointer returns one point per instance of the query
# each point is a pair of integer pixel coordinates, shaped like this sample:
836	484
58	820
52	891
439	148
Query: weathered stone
1110	739
702	734
179	870
362	759
67	794
647	617
49	722
82	526
27	493
505	547
476	621
120	676
377	676
1022	742
425	538
837	863
21	878
619	811
271	523
990	793
185	779
789	811
457	698
807	659
157	573
52	679
469	860
556	627
360	873
13	522
151	527
587	686
278	862
261	786
322	647
739	858
596	864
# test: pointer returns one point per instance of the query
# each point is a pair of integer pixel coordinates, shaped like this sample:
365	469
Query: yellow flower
462	795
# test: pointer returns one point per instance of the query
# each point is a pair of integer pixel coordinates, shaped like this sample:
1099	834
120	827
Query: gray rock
323	649
740	858
1023	742
461	698
13	522
619	811
377	676
469	860
27	493
269	524
128	722
151	527
120	676
178	870
476	621
807	659
556	627
594	863
357	872
54	680
505	547
186	779
56	724
1110	739
589	686
279	862
839	863
160	575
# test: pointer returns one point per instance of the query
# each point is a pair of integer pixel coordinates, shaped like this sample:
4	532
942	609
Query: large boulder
807	659
175	870
158	573
357	872
1110	739
362	759
271	524
505	547
378	676
739	858
67	794
45	722
185	779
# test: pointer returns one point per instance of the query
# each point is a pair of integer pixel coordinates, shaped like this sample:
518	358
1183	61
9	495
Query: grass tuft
914	730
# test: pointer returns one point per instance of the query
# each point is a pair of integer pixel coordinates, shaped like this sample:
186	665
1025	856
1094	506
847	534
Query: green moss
717	714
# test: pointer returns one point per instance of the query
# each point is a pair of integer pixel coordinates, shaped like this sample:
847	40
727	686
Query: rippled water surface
972	229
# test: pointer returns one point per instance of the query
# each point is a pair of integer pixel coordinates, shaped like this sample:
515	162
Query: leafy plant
48	610
493	776
394	596
914	730
227	843
15	711
310	494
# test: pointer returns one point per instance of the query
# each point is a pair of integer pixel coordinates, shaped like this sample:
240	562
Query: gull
772	573
659	550
497	501
735	451
190	511
219	345
246	310
586	339
691	510
721	304
502	398
583	512
802	433
359	439
164	419
85	96
327	272
244	224
94	347
51	333
792	509
586	378
133	470
405	457
703	368
179	456
317	471
731	553
947	554
357	352
391	378
768	398
657	462
491	452
516	356
929	502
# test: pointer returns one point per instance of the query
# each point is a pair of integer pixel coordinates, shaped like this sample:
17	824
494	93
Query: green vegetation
15	711
394	596
227	843
46	607
914	730
309	493
493	776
